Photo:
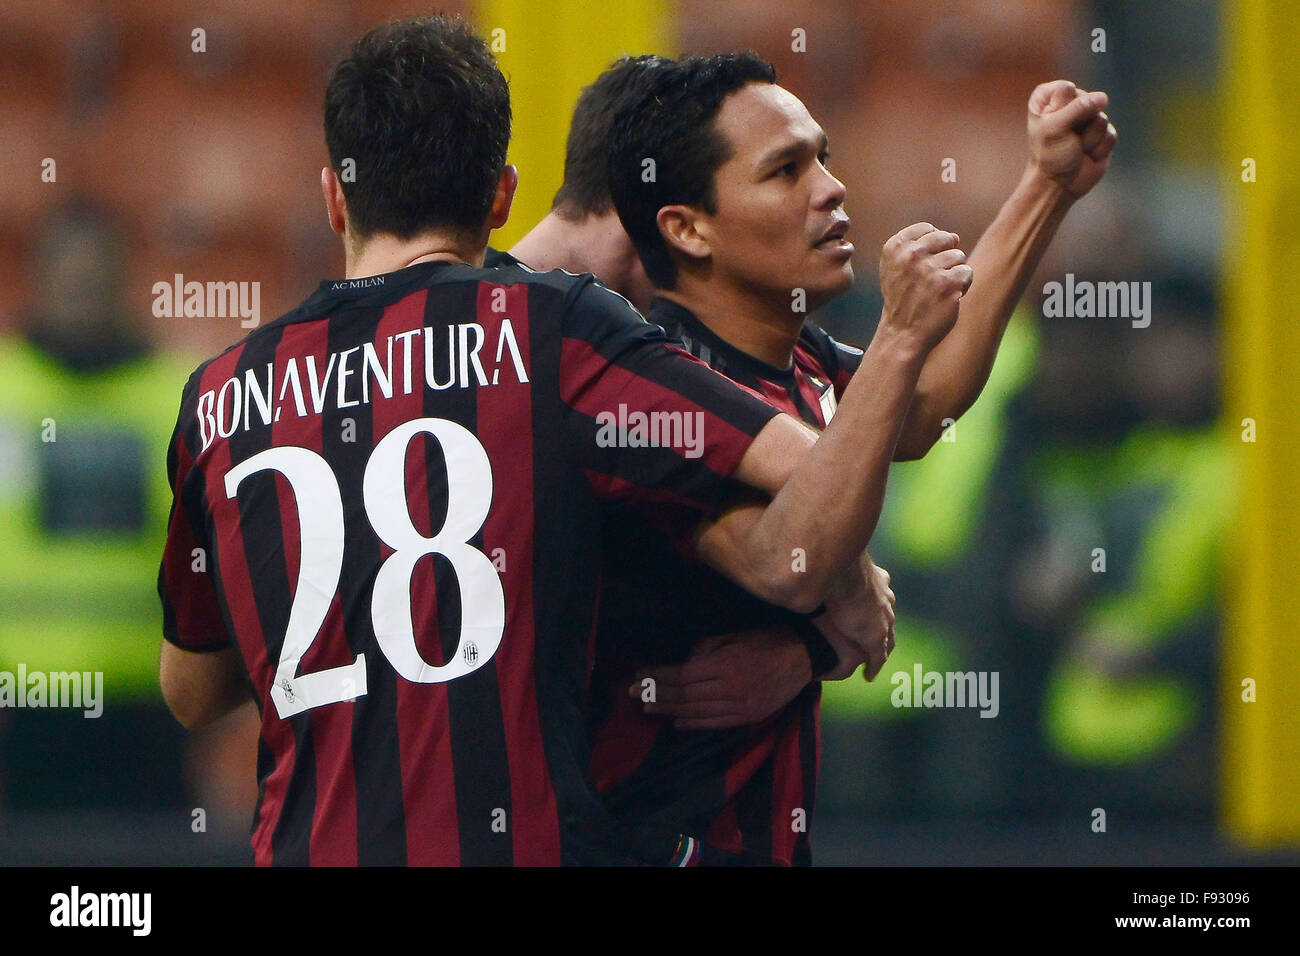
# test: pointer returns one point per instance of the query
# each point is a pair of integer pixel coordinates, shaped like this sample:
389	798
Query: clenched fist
1070	135
922	276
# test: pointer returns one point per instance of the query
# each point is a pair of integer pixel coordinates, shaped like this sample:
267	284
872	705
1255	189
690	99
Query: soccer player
582	233
385	503
740	213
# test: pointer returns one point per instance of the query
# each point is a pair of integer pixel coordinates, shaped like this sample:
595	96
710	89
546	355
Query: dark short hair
673	124
422	109
585	191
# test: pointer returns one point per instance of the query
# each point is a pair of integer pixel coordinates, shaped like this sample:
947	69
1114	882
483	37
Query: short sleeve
192	617
646	420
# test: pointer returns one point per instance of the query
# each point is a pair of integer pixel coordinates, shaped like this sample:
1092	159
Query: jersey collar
677	319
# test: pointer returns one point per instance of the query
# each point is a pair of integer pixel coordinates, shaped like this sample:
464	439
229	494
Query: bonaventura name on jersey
454	358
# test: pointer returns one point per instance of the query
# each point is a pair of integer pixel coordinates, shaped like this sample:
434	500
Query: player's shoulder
496	259
594	311
506	267
588	305
814	336
569	284
563	288
833	354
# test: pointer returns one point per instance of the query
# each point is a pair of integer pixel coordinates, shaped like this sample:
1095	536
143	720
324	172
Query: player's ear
336	207
680	227
506	187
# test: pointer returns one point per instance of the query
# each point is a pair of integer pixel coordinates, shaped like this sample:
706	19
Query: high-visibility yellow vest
83	511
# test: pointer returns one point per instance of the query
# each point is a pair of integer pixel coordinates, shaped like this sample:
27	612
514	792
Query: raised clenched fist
1070	135
922	276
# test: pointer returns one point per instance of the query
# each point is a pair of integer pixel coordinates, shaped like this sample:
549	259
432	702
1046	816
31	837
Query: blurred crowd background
1091	434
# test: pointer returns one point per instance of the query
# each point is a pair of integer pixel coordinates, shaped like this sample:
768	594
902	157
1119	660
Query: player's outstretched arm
201	687
1070	141
826	501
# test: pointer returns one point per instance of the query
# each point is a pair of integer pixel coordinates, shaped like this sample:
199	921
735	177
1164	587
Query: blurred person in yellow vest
1135	523
83	501
1087	504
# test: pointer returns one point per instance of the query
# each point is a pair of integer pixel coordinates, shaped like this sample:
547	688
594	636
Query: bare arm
1070	140
200	688
820	520
1005	256
825	504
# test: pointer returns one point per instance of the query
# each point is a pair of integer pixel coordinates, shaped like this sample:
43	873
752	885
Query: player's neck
595	244
546	245
759	328
385	253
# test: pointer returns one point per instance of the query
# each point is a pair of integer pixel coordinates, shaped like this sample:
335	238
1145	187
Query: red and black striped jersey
748	792
389	500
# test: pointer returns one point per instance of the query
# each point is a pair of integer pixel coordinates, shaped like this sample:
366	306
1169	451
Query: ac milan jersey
389	500
749	791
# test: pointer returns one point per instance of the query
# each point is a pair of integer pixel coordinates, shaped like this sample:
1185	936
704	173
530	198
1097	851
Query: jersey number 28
320	518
